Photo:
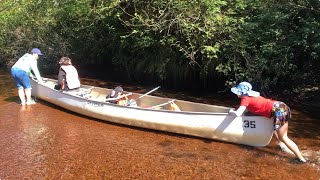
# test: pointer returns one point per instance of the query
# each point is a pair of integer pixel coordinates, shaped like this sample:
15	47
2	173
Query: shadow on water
12	99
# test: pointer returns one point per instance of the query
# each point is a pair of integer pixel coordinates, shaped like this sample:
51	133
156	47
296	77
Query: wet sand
44	141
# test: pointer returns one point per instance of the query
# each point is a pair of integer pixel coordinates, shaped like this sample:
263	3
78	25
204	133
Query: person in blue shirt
21	71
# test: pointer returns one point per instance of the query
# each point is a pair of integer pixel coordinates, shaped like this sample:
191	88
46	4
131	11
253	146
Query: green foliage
270	43
187	33
277	46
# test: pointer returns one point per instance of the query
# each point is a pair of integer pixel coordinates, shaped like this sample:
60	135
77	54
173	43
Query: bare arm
36	72
63	83
239	111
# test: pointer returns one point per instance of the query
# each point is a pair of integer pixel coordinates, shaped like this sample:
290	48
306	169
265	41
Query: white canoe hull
213	123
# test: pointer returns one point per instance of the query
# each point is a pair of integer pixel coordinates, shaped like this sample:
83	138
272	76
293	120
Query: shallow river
43	141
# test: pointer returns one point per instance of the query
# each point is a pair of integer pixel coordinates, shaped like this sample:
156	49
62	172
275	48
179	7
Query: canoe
194	119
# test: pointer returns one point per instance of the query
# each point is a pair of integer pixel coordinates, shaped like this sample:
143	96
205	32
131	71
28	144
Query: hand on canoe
232	112
238	112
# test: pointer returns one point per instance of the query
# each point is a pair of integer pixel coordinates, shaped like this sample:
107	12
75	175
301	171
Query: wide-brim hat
244	89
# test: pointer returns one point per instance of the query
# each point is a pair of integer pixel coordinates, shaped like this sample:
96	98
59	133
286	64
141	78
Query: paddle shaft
147	93
163	104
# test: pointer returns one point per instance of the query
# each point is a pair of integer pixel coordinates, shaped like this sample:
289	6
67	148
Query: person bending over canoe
21	71
259	105
68	78
116	96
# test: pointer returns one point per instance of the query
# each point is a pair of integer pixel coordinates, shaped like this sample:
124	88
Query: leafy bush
191	43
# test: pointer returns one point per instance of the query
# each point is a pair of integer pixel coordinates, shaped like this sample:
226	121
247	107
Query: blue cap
36	51
244	88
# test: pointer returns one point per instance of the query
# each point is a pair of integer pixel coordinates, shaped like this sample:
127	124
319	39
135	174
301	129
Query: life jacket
72	77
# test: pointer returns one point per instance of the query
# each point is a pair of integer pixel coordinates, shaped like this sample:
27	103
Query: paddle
133	102
163	104
147	93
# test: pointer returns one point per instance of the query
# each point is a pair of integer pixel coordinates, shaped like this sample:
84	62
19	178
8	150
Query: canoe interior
99	95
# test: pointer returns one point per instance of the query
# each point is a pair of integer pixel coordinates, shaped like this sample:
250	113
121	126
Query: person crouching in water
68	78
259	105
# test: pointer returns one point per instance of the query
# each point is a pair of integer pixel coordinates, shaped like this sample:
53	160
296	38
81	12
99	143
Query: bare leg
22	96
28	95
277	137
282	135
281	144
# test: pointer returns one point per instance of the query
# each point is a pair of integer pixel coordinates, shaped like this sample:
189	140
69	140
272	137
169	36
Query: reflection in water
43	141
25	109
34	136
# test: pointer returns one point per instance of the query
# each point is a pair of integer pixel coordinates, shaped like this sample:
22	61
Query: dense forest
207	44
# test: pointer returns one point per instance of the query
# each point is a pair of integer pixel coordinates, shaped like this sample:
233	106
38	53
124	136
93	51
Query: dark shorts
281	113
21	78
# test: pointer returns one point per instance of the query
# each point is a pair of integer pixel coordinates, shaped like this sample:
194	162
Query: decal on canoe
95	104
249	124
